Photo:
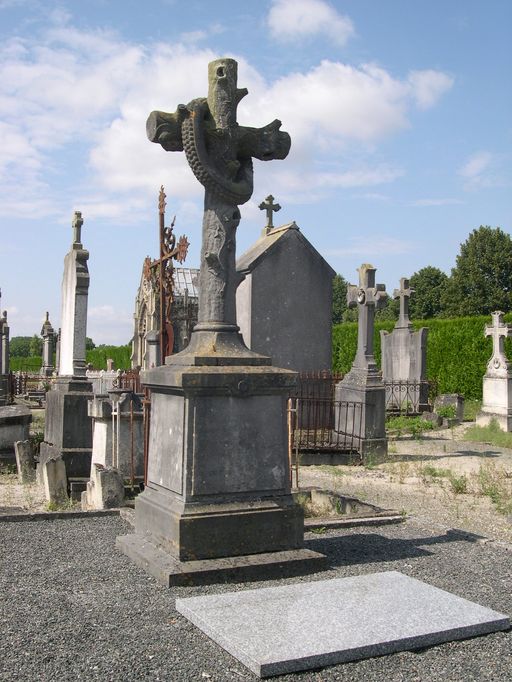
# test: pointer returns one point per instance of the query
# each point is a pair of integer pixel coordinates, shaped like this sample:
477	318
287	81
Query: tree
19	346
36	346
339	298
429	285
481	281
389	311
89	343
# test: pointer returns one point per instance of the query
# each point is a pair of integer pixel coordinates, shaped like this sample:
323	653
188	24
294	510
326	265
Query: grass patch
491	434
447	411
414	425
495	483
458	484
471	409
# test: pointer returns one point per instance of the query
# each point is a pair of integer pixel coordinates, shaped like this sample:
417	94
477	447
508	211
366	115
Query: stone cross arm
404	293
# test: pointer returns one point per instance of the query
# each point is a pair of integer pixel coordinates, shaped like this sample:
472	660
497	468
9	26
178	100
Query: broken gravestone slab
25	461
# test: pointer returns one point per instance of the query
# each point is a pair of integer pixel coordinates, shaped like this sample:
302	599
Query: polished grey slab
277	630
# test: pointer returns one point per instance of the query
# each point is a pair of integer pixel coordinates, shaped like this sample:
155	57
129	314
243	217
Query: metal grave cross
498	330
404	294
77	227
269	206
367	297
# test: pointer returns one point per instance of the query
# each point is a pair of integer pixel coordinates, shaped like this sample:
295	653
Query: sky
398	111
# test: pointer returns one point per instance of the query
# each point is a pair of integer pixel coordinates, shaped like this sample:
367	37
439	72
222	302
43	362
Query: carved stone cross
77	227
404	293
367	297
220	154
498	330
269	206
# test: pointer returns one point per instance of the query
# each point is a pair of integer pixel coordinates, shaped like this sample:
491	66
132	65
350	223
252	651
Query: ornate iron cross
220	154
498	331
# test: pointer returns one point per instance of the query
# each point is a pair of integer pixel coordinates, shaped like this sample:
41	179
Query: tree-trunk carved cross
220	154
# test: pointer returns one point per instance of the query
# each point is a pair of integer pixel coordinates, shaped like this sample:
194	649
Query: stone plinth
68	428
218	474
496	403
112	438
105	489
14	426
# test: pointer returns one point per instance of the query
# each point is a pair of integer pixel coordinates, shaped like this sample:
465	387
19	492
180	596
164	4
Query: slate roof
268	242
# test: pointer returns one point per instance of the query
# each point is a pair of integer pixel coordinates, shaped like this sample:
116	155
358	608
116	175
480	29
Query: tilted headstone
67	425
404	359
218	478
497	384
48	334
360	398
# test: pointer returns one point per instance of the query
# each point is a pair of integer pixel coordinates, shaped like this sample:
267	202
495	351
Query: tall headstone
218	478
497	385
48	334
4	358
362	416
404	358
68	432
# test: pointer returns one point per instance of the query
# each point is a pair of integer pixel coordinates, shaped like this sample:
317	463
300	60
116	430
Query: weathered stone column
68	431
218	479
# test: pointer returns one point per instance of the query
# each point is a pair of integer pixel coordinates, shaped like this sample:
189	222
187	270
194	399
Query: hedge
457	351
97	357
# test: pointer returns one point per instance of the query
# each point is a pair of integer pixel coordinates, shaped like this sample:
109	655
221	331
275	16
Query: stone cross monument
4	358
48	334
68	426
269	206
404	359
360	397
497	385
218	477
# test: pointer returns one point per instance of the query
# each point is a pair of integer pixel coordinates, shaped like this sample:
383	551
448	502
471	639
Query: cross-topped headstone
77	227
498	331
269	206
367	297
220	154
404	294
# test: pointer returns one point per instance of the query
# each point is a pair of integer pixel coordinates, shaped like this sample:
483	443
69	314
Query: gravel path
73	608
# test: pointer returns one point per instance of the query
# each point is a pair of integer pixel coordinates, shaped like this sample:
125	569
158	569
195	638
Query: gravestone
67	425
218	477
360	398
284	301
25	462
404	359
48	334
497	384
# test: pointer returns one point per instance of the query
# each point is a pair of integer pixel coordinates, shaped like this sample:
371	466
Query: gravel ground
73	608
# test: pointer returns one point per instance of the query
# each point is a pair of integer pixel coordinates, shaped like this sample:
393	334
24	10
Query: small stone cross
404	293
498	330
77	227
269	206
367	297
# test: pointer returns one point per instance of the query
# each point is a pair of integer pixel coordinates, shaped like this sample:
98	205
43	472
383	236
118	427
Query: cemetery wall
457	351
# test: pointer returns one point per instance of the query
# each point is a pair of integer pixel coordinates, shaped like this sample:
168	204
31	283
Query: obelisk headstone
68	432
4	358
48	334
497	384
218	477
361	396
404	359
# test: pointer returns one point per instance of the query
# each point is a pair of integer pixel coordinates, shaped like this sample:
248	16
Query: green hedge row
457	351
97	357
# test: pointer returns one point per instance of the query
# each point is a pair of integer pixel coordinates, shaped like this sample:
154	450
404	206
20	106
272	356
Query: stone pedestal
497	402
68	429
362	414
218	474
403	357
105	489
4	389
14	426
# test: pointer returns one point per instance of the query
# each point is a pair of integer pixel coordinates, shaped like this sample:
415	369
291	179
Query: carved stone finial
269	206
403	293
77	227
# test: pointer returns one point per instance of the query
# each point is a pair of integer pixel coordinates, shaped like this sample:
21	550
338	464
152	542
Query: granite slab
278	630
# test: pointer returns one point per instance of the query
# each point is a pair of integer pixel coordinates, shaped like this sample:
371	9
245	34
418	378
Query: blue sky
398	110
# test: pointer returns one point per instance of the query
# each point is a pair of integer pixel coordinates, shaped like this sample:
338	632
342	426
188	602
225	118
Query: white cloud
428	86
476	165
291	20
